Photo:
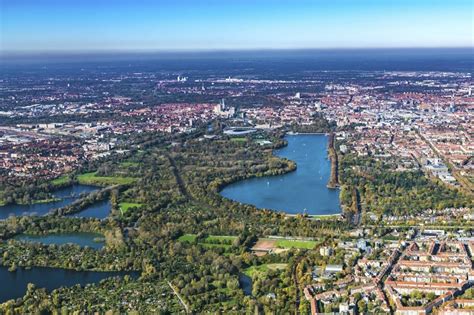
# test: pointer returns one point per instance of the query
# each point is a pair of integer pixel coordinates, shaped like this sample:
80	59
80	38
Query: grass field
60	180
125	206
92	179
254	270
210	241
187	238
296	244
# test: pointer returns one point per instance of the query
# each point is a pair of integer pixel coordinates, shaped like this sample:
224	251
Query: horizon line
7	53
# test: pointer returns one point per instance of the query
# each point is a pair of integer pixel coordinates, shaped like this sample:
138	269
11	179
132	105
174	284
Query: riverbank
332	153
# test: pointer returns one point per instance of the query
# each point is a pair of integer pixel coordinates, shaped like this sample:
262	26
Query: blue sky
37	25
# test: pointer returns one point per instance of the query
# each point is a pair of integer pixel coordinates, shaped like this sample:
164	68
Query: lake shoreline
308	192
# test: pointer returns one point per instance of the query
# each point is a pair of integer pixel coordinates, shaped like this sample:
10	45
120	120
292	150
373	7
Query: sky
135	25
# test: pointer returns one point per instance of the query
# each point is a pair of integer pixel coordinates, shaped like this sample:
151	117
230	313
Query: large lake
295	192
66	196
14	284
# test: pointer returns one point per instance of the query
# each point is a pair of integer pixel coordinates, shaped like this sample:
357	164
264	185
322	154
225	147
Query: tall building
222	110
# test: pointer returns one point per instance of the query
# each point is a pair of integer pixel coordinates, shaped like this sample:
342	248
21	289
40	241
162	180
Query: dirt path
186	307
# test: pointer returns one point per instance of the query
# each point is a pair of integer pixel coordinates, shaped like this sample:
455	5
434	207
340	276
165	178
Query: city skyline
50	25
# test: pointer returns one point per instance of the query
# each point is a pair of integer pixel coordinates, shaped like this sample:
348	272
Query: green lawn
124	206
92	179
64	179
187	238
254	270
296	244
